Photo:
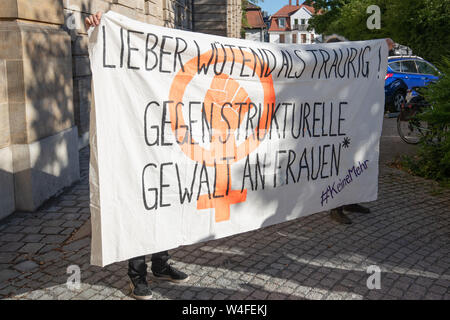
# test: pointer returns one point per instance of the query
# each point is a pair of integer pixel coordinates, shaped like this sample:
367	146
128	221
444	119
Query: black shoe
140	290
339	216
167	272
356	208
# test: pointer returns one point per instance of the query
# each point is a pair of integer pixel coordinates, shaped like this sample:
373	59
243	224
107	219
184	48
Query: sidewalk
407	235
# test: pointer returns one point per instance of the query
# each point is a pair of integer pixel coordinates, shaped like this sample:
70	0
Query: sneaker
141	290
339	216
356	208
170	273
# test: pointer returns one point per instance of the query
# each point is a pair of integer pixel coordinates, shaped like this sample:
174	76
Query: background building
290	25
256	28
220	17
45	84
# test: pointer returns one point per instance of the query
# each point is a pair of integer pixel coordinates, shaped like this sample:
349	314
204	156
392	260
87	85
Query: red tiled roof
251	6
255	19
310	8
274	25
254	16
286	11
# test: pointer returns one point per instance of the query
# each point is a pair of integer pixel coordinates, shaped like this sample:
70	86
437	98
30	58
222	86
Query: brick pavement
406	235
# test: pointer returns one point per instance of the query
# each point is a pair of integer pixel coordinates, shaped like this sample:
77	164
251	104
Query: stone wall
45	84
220	17
234	18
38	143
168	13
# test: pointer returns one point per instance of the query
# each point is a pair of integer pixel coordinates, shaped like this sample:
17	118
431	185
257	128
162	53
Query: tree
422	25
433	157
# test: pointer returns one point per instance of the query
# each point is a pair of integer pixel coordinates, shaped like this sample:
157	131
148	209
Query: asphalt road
391	145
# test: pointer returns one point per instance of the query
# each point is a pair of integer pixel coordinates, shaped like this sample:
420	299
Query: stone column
7	203
218	17
158	12
210	16
38	137
75	11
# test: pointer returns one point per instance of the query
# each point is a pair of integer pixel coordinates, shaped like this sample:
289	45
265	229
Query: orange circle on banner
178	89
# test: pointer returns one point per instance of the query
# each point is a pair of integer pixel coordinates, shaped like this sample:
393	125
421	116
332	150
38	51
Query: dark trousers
137	268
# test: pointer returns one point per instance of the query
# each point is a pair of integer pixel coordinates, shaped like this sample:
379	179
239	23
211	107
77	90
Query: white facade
299	25
300	14
254	34
299	22
274	36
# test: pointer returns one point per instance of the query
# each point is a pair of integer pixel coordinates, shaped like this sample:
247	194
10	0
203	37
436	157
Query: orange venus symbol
223	89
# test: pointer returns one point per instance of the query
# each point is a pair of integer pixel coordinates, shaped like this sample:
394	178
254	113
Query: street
406	236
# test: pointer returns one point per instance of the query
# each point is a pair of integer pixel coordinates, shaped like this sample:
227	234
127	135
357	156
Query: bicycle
410	128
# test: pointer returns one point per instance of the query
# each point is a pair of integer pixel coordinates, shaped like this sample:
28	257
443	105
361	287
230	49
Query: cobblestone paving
407	235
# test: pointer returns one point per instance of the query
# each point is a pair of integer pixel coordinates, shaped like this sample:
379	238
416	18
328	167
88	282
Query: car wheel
399	100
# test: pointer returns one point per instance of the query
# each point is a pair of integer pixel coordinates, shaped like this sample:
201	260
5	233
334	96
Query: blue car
405	73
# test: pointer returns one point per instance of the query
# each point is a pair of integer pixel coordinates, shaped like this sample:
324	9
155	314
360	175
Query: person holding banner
137	267
337	214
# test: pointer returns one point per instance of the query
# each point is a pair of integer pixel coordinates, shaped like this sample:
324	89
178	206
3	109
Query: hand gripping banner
196	137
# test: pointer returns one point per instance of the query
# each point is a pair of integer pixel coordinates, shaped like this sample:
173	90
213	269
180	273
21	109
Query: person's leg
159	260
137	271
337	214
137	268
163	270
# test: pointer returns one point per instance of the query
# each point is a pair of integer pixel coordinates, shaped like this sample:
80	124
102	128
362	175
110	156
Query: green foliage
431	162
346	18
438	96
422	25
433	158
244	22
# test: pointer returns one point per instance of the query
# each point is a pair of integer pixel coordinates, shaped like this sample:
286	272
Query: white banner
197	137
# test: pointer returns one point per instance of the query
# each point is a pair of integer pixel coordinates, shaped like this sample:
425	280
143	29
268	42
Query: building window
295	22
282	39
282	22
303	21
312	37
294	38
178	12
303	38
179	16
